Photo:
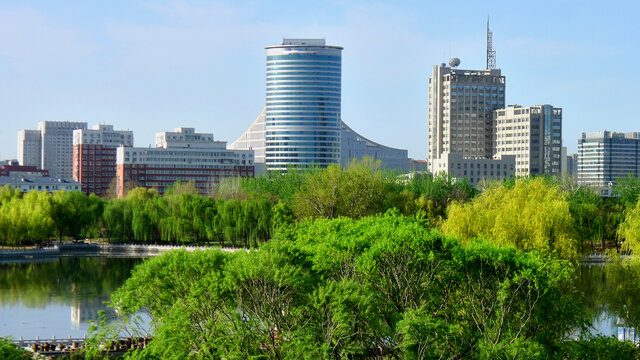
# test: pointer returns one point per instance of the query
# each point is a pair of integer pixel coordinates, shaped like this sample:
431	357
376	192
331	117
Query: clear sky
151	66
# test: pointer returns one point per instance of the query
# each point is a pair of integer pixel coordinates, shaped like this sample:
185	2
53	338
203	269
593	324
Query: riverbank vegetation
547	214
380	287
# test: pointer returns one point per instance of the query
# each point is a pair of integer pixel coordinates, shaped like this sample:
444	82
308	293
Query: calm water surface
57	297
60	297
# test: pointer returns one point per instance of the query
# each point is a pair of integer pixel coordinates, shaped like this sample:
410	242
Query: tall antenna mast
491	54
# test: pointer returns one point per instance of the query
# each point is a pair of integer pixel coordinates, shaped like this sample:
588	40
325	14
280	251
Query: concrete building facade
30	148
533	134
355	146
50	147
605	156
94	156
181	155
461	103
474	169
57	146
572	165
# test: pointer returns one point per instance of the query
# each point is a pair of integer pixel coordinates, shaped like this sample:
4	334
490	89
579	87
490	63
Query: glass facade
303	103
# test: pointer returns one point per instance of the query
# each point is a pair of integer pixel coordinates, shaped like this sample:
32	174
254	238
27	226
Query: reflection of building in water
84	310
626	333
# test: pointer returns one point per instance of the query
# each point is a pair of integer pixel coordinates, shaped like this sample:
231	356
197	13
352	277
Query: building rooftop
610	135
37	180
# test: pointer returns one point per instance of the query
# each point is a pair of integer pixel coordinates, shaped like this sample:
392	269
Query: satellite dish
454	62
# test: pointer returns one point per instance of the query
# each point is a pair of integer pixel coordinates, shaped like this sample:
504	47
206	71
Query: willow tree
629	230
531	214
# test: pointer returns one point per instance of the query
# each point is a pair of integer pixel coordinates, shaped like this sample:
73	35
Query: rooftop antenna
491	53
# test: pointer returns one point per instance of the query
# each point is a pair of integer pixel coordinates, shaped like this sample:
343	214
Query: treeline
239	212
381	287
530	213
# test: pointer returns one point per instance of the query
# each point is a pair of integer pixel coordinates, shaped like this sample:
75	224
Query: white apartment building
533	135
474	169
103	135
30	148
181	155
54	150
254	139
57	146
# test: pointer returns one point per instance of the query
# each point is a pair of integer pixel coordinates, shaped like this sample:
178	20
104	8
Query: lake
61	296
58	296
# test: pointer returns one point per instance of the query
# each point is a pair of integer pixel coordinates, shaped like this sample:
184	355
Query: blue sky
150	66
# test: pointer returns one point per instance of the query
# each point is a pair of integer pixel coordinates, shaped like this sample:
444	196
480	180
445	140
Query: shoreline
111	250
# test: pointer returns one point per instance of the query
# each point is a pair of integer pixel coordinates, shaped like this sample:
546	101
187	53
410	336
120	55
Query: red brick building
94	157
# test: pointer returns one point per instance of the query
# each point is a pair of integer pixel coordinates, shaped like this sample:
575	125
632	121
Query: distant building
474	169
301	123
417	166
461	103
13	162
303	104
94	156
27	178
605	156
48	184
181	155
15	170
57	146
50	147
533	134
254	139
30	148
572	165
356	146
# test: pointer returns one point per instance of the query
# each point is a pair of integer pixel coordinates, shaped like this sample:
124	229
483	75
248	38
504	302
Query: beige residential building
475	169
533	134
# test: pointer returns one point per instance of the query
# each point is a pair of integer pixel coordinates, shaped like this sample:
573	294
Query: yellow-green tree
531	214
629	230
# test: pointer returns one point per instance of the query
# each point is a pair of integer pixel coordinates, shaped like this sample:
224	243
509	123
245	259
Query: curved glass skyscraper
303	104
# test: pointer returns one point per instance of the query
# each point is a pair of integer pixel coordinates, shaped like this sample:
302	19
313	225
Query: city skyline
143	66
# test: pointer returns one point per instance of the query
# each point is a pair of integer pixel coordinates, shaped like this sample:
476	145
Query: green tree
9	351
627	189
532	214
629	229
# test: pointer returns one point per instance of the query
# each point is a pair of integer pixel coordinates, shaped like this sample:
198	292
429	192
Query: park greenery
544	213
381	287
358	263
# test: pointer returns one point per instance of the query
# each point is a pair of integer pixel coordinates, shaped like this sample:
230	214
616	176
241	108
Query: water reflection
57	297
612	297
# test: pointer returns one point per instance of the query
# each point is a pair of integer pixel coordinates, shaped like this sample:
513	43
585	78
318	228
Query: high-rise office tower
605	156
94	156
533	134
301	124
461	103
303	104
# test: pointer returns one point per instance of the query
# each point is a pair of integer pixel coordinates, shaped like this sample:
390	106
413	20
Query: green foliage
530	215
629	229
10	351
342	288
627	189
598	348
